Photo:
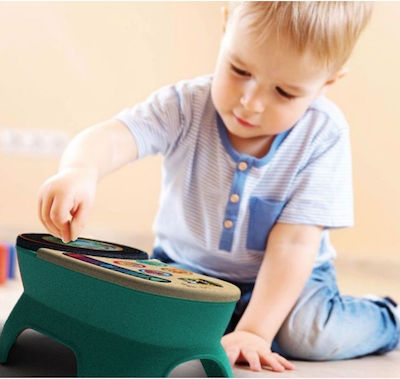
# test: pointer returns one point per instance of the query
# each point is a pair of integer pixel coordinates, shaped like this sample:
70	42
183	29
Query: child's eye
238	71
284	93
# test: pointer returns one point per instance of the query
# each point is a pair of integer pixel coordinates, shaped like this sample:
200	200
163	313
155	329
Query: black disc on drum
35	241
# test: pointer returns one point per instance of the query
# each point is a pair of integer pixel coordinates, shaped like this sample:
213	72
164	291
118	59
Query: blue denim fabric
323	324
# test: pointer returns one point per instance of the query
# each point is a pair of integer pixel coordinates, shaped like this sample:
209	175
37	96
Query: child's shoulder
195	85
327	109
193	95
185	95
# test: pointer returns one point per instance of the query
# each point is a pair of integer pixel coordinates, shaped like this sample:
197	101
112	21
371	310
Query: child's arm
65	200
286	266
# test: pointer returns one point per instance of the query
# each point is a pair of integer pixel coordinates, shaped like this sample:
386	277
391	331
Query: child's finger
251	356
60	216
78	221
233	355
44	214
271	360
74	232
284	362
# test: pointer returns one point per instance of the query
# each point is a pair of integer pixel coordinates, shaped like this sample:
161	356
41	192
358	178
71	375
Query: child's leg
325	325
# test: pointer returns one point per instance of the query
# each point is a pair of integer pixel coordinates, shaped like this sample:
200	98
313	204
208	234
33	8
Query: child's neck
257	147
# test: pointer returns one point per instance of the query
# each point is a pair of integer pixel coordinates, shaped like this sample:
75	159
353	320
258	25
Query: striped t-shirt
217	206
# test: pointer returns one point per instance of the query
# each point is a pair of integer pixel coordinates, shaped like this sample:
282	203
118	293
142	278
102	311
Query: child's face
263	90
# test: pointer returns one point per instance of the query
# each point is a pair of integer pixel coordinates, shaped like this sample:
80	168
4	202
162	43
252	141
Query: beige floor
354	277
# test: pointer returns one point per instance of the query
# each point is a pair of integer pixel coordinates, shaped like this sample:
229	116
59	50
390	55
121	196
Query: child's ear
342	72
225	16
334	78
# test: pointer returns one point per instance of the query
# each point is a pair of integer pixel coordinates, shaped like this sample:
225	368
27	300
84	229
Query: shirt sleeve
156	123
322	191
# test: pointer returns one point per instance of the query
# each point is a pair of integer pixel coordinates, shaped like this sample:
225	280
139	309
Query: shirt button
242	166
234	198
228	224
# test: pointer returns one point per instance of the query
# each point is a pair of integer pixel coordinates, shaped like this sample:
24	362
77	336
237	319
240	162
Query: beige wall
65	66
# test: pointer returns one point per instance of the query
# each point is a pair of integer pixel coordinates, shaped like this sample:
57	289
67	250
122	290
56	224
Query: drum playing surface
147	275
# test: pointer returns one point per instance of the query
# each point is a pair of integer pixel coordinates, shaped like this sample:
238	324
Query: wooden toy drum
121	314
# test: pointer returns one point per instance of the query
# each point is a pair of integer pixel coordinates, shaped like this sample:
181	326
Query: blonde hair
328	29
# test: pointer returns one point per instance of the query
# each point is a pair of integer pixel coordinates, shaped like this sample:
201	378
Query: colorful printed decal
129	264
152	262
176	270
84	244
110	266
155	272
200	281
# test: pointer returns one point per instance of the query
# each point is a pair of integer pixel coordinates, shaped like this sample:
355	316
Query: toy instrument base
116	331
102	354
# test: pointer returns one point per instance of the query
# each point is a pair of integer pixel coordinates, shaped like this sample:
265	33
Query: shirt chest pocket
263	215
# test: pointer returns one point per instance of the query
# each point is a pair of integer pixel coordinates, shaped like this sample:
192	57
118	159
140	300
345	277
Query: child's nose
253	99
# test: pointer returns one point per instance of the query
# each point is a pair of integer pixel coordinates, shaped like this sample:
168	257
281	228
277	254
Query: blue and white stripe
305	179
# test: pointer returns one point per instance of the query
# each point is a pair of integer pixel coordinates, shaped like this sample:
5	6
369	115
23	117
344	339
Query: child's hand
241	346
65	201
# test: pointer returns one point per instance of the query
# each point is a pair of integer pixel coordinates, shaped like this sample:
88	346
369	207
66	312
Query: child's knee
301	338
337	328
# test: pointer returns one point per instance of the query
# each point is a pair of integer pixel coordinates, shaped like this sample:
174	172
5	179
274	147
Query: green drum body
121	317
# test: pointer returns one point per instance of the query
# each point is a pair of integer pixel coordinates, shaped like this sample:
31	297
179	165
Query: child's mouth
243	122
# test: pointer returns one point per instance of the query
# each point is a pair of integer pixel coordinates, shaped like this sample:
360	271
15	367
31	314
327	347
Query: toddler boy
256	170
